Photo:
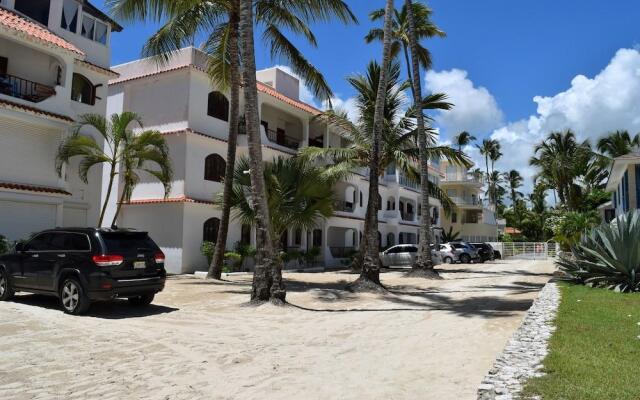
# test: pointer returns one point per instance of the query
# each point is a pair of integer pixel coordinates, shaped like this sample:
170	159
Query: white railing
527	250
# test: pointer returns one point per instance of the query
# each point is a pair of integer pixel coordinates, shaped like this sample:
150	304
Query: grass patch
595	351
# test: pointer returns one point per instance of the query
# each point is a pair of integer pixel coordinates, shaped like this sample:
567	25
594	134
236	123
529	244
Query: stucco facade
44	65
174	99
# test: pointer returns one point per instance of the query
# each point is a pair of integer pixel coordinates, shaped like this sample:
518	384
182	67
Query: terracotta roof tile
296	103
33	110
33	188
98	68
23	26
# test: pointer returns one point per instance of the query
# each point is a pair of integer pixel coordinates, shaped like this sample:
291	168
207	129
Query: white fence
527	250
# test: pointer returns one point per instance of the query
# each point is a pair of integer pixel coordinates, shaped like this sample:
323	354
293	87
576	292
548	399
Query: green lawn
595	351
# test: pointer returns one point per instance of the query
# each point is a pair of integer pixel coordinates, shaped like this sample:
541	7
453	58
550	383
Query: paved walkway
424	340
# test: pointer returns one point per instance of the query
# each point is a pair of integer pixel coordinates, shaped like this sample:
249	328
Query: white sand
425	340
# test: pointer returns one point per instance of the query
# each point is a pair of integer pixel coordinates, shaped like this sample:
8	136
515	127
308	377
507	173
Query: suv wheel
143	300
465	259
6	291
447	260
73	298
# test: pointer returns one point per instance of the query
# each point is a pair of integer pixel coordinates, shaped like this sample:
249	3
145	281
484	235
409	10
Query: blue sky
514	69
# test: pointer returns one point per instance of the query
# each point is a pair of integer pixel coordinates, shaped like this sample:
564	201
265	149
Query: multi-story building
54	65
474	218
624	184
179	100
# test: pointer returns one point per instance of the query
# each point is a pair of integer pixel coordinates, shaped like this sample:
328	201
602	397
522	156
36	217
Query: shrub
207	249
608	256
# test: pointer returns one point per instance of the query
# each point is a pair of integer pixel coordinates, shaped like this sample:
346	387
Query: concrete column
305	133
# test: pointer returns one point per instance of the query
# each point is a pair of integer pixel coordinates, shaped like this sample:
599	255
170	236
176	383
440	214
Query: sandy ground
424	340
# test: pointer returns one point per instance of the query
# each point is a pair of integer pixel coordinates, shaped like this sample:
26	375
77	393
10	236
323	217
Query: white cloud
475	109
348	106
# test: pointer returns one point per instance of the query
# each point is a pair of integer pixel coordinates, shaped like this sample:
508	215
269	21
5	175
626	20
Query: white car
404	255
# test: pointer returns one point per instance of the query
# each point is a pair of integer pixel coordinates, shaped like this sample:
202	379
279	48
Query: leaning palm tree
463	139
617	144
219	21
299	194
370	274
424	28
122	147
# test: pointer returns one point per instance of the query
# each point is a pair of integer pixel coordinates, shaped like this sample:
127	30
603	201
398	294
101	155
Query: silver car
459	252
404	255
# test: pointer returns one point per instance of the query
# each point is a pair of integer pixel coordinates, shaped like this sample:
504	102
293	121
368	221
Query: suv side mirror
19	247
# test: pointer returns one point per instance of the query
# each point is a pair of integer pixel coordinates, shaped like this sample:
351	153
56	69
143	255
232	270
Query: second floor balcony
280	137
25	89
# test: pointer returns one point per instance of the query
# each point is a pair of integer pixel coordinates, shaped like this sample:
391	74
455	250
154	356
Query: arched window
214	168
82	90
218	106
245	234
210	230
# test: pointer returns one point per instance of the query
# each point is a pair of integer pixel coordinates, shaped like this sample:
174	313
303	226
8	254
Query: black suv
486	251
81	265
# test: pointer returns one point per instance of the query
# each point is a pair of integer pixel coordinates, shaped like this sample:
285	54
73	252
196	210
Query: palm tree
495	182
463	139
370	274
124	148
561	159
424	28
220	21
488	150
399	136
299	194
423	264
514	180
617	144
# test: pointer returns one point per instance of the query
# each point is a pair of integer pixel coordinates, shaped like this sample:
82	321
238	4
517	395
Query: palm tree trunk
112	175
369	279
267	278
423	265
215	269
122	197
486	163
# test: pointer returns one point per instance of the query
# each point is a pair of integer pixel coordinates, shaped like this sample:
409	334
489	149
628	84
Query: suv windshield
127	242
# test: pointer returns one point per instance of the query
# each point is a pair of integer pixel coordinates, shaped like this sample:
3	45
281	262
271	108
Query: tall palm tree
218	20
463	139
514	180
489	151
424	28
370	274
124	148
617	144
423	264
299	194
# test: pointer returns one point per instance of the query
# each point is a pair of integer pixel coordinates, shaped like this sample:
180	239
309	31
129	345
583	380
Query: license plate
139	265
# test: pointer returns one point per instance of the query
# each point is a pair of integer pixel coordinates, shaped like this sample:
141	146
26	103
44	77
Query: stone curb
522	357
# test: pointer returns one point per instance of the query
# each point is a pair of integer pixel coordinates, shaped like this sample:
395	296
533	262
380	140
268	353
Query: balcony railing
25	89
410	183
282	139
407	216
463	201
465	179
342	252
341	205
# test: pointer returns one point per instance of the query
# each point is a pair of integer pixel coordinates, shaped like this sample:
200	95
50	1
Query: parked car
404	254
497	255
485	250
83	265
463	252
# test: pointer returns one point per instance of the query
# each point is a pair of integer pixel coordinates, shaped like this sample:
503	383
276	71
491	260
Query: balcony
25	89
279	137
467	201
472	179
344	206
409	183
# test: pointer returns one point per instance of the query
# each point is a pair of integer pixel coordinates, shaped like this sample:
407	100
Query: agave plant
608	255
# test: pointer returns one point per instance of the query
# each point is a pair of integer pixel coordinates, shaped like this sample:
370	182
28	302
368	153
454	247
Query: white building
179	100
624	184
473	218
54	65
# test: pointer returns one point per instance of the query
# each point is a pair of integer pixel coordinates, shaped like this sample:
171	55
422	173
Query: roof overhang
618	168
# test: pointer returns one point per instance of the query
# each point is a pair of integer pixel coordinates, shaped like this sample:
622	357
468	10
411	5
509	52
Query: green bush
608	255
207	249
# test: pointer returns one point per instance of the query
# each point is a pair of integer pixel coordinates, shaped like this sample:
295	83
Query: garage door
19	219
